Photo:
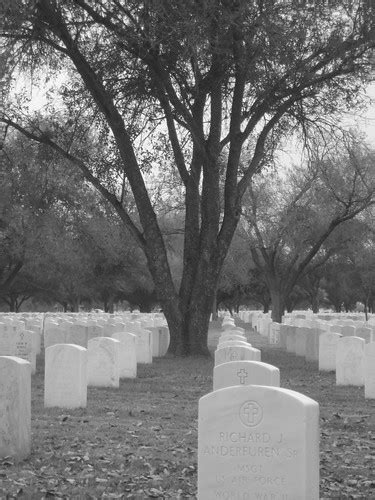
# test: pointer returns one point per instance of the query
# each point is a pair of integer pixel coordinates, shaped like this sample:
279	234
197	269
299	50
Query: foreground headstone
245	373
350	361
15	407
65	379
257	442
370	370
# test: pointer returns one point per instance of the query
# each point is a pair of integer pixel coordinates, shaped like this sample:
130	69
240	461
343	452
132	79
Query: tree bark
277	304
315	303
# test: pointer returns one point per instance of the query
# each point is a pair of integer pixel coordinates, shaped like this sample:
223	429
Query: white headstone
291	339
258	442
15	407
312	344
6	341
144	346
65	379
102	362
78	335
23	342
364	333
327	351
274	334
301	338
370	370
54	334
350	361
245	373
348	331
127	354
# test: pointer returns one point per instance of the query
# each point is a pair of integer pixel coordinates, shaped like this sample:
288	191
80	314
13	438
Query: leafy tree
294	222
203	81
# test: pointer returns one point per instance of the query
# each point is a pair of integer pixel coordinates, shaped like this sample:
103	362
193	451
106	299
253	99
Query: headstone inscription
15	407
274	334
258	442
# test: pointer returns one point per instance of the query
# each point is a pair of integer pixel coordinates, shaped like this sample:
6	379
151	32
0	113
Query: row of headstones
80	328
69	370
255	439
347	350
23	337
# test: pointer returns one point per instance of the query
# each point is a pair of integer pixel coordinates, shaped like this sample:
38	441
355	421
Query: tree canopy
192	85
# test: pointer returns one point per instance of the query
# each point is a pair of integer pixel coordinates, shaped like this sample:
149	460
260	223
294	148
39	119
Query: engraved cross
251	410
242	375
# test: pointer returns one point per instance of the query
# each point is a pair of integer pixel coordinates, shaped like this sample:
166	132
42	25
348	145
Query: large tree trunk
277	304
315	303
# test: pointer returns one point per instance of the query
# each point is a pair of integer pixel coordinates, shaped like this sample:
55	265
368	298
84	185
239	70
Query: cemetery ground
140	441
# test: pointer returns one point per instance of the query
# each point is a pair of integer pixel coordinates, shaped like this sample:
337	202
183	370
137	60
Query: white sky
364	121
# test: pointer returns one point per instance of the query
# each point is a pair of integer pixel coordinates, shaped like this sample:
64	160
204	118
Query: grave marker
245	373
257	442
15	407
327	351
370	370
102	362
350	361
65	379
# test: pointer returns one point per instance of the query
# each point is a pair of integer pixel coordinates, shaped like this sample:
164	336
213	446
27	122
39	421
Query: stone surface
327	351
364	333
350	361
274	334
370	370
291	339
245	373
236	353
312	344
336	329
102	362
301	338
23	347
15	407
144	346
6	341
257	442
127	354
348	331
65	377
54	334
78	335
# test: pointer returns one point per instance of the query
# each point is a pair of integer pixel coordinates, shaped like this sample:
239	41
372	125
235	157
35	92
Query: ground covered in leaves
140	441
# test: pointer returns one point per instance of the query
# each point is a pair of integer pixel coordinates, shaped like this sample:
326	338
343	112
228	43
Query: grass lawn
140	441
